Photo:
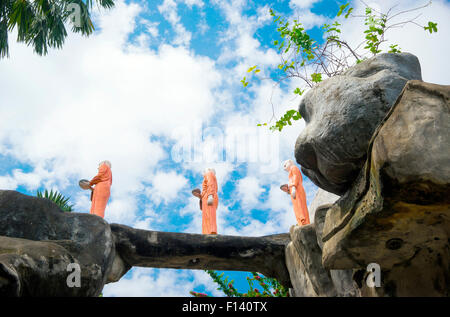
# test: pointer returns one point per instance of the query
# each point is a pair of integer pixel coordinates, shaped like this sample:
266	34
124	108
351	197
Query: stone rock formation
383	144
304	261
398	211
341	114
321	198
38	242
304	257
198	251
394	216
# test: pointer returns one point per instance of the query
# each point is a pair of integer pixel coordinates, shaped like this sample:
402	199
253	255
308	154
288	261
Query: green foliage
316	77
375	32
40	23
253	70
270	286
294	37
244	82
299	53
299	91
224	285
431	27
57	198
286	120
342	10
394	49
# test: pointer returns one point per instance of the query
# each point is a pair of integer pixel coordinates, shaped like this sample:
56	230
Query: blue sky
156	90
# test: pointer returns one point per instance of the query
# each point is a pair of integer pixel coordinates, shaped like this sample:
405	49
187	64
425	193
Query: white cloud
151	27
29	180
143	224
145	282
249	191
242	46
302	4
166	187
202	278
192	208
429	48
257	229
99	98
191	3
8	182
169	10
82	202
121	209
106	98
309	19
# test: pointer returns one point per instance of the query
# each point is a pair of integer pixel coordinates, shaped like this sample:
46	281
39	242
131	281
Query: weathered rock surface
322	197
301	283
397	213
304	257
39	268
38	242
198	251
341	114
342	279
308	276
64	238
319	221
305	242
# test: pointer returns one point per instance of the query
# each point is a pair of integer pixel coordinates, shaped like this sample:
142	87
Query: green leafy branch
432	27
253	70
300	52
270	286
302	57
378	24
375	32
284	120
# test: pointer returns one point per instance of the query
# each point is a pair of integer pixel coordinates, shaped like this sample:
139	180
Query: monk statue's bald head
287	164
106	162
209	169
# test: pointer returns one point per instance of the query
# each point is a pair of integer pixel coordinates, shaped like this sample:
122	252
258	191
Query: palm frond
57	198
41	23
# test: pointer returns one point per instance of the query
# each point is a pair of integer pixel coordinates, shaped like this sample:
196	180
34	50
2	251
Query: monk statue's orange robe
209	187
102	182
299	203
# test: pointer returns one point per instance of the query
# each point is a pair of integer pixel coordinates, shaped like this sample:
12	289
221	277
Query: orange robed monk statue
297	193
101	192
209	200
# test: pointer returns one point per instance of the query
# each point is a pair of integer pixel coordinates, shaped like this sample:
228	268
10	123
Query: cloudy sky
156	90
